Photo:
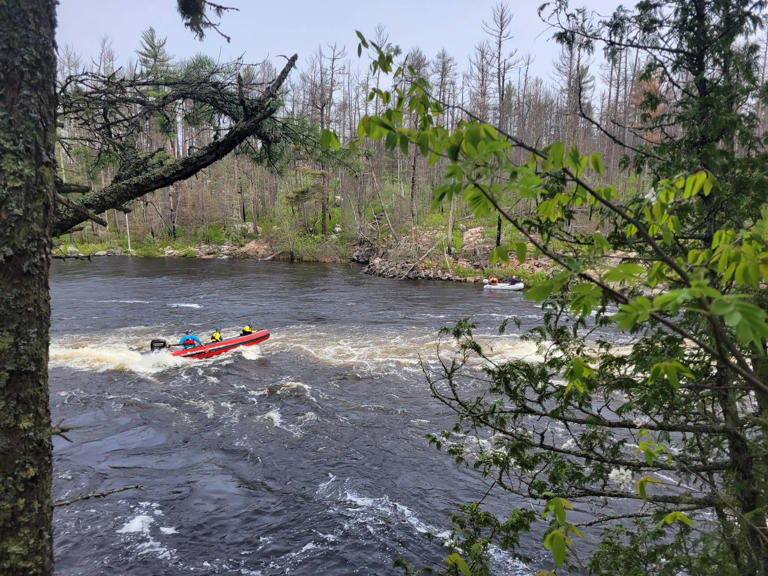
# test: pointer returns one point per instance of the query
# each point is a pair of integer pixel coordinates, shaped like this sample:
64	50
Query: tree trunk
414	210
27	126
450	227
324	202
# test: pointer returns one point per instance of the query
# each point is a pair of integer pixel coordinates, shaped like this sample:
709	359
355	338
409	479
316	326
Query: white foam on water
370	511
382	507
127	350
323	488
101	358
138	532
274	416
293	386
374	511
307	547
507	563
137	525
386	351
115	301
185	305
250	352
308	418
298	429
505	348
155	548
286	562
208	407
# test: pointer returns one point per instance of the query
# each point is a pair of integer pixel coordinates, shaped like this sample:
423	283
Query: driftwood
276	254
378	195
94	495
419	261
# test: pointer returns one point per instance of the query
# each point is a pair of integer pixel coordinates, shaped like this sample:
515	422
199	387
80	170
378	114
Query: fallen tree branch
94	495
419	261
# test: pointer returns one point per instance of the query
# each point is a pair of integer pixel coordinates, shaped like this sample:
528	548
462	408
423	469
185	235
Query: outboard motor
158	344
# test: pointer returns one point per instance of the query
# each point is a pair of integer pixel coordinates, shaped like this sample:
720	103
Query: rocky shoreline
398	262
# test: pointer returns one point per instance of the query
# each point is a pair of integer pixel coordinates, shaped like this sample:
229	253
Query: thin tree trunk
414	213
449	242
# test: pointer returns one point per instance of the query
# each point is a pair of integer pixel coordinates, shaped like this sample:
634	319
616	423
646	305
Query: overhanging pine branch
119	193
82	213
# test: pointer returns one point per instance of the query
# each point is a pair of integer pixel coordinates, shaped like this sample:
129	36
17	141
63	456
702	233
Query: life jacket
189	343
247	330
493	280
216	337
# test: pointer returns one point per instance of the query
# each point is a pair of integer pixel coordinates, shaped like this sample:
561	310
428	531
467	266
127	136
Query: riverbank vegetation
292	192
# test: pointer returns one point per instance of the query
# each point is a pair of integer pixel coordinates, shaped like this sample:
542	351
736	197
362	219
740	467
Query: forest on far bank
296	196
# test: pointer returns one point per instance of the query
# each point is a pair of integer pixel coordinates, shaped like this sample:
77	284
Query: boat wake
380	352
102	358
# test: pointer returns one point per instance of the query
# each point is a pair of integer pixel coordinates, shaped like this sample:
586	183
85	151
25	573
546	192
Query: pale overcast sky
262	29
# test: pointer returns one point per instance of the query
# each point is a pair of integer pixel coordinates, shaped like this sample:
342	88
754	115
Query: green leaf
457	561
363	127
586	297
403	139
574	158
555	155
694	183
675	516
555	541
391	140
521	251
643	483
597	163
423	143
500	254
672	371
748	320
363	41
329	140
633	313
623	272
540	291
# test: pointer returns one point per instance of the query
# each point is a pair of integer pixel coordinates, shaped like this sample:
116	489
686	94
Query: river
304	455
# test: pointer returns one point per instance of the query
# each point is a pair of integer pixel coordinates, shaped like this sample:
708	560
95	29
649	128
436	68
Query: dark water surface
305	455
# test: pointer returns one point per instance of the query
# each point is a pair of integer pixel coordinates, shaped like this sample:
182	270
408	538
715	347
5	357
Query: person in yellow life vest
216	336
493	281
247	330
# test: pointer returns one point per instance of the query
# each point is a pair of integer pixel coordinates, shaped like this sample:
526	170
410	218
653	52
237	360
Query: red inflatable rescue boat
215	348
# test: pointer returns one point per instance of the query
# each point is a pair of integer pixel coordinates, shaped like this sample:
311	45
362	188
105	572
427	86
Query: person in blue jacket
189	340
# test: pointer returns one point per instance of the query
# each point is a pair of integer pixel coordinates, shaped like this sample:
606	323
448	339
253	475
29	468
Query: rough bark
27	132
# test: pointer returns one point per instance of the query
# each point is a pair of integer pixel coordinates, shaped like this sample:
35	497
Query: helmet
218	329
188	332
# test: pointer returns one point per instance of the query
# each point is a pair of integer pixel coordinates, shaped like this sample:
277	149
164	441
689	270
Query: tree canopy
646	408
